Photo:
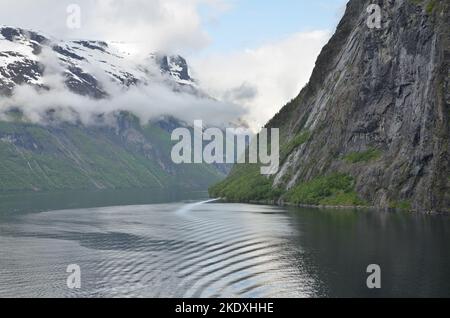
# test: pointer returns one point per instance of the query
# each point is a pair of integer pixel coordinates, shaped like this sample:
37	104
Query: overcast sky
252	52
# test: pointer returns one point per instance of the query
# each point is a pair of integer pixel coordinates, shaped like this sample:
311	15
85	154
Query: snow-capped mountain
121	150
87	66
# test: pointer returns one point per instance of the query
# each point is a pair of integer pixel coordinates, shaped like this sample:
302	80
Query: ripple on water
195	250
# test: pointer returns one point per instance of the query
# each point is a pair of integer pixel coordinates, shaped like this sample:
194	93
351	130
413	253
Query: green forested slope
42	158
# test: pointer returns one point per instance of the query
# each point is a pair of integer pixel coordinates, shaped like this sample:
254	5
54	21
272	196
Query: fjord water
211	249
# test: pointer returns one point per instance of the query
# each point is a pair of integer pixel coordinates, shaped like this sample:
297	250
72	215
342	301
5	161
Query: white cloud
153	24
146	101
262	79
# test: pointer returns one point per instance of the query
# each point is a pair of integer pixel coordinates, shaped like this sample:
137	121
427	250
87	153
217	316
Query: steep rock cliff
372	125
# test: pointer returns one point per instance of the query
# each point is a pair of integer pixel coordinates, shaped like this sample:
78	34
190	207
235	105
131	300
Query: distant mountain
71	157
372	127
58	155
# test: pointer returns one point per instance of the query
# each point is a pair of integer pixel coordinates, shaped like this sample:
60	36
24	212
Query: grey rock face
384	89
175	66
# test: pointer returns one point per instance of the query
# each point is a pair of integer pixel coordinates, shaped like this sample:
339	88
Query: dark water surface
160	249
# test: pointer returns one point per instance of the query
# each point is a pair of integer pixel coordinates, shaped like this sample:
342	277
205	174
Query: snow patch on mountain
80	80
84	62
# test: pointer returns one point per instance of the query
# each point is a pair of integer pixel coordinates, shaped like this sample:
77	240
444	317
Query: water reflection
412	251
222	250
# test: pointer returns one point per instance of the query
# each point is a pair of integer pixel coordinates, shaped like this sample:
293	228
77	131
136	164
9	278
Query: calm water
185	249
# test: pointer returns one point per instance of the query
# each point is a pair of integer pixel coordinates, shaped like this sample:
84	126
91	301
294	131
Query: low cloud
147	101
242	93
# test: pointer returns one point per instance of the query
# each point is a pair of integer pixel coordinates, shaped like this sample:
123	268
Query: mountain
118	150
71	157
371	128
22	62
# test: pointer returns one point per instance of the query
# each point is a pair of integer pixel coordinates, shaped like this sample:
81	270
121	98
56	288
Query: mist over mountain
92	115
82	80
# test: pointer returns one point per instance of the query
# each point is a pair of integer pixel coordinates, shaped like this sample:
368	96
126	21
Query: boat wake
183	211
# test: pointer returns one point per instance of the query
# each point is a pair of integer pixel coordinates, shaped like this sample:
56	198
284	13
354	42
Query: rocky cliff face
376	110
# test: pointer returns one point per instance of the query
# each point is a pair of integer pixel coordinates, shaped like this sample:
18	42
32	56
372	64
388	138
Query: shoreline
335	207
